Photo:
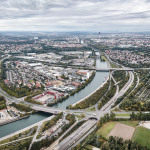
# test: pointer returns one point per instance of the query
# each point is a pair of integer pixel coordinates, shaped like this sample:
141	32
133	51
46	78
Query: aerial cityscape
74	75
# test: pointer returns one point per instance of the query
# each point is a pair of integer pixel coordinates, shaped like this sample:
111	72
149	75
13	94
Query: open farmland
123	131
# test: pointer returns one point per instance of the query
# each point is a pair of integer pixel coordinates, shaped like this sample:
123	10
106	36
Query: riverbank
23	123
92	86
74	91
13	120
107	78
97	81
26	128
93	91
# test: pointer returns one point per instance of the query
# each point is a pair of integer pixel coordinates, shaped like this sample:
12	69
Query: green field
123	115
104	58
90	109
105	129
142	136
89	147
80	117
130	123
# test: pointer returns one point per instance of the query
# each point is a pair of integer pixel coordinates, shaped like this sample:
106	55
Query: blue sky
75	15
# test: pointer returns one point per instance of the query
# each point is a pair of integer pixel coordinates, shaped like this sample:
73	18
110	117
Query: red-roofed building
37	84
7	82
76	84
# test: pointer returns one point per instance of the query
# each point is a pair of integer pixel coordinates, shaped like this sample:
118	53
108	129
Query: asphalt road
75	136
111	102
17	140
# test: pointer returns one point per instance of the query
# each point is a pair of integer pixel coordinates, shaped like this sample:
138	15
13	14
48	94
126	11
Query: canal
96	82
20	124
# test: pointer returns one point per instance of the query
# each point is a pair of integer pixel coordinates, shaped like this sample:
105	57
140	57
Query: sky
75	15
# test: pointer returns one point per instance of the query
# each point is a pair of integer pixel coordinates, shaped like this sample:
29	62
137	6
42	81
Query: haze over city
74	75
78	15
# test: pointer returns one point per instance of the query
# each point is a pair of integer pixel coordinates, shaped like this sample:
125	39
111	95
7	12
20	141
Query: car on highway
94	114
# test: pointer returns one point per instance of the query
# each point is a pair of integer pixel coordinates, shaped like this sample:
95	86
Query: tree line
108	96
52	122
16	91
93	99
21	107
135	105
140	116
124	80
115	143
2	102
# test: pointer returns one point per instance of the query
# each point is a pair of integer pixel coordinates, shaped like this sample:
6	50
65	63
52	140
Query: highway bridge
51	110
124	69
113	69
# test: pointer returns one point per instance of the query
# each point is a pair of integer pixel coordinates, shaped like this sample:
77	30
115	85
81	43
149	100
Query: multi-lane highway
80	132
75	136
111	102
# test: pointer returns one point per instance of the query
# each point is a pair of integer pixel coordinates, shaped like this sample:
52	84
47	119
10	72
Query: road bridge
51	110
114	69
124	69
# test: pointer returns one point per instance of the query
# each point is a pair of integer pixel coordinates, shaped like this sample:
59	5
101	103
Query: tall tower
99	36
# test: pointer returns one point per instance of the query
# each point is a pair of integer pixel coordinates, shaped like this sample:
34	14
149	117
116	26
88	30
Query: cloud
74	15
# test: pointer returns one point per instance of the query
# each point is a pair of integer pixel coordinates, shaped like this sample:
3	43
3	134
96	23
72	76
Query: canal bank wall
13	120
24	129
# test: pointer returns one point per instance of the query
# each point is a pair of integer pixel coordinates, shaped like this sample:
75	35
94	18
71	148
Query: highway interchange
76	136
118	93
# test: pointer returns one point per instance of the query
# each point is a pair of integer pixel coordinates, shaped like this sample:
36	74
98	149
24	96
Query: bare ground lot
122	131
146	124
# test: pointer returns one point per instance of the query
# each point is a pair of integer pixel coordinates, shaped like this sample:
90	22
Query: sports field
122	131
127	130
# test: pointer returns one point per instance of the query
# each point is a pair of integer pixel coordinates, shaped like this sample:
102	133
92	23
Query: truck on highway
83	125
